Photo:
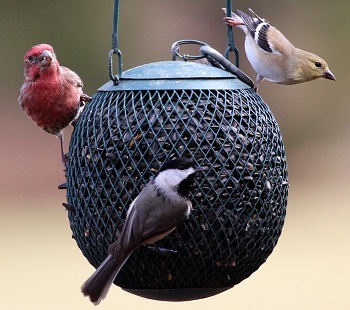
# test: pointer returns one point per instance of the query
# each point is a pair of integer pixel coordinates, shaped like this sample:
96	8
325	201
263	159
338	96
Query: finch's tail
99	283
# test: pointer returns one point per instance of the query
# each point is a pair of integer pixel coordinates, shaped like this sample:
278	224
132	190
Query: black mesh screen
121	140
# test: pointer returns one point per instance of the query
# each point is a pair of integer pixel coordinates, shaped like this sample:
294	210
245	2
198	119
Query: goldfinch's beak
328	75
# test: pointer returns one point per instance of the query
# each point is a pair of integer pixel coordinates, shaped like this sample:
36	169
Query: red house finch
51	94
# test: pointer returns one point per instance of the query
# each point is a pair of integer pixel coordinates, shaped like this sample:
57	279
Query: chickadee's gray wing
156	230
152	216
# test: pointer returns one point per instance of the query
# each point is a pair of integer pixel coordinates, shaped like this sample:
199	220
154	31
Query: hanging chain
175	48
115	50
230	41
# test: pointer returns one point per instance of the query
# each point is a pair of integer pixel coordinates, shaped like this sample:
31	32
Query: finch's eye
318	64
30	58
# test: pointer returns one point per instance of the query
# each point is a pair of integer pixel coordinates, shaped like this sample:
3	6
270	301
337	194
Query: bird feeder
150	114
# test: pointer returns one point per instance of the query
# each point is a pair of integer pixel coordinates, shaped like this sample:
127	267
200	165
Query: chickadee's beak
328	75
45	58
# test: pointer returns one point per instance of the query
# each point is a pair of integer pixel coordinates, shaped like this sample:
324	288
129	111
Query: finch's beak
45	58
328	75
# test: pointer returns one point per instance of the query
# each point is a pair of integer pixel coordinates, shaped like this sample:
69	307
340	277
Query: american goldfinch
273	57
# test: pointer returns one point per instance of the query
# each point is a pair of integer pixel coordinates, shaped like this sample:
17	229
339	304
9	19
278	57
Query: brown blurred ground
41	267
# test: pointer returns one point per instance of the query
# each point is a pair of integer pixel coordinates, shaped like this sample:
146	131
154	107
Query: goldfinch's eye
318	64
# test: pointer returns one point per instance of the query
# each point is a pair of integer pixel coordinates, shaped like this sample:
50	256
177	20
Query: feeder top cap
175	70
175	75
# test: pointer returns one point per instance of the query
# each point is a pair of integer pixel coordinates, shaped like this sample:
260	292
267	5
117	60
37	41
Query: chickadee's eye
318	64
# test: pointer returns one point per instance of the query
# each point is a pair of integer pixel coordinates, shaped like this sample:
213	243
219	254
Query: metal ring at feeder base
164	110
178	294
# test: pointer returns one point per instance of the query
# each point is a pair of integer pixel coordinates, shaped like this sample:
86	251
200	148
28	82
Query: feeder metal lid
175	75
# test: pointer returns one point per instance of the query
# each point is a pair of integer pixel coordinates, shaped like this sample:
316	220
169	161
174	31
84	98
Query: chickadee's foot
161	250
230	21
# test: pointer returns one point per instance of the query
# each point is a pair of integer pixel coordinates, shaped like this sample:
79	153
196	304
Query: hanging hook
230	40
115	49
115	78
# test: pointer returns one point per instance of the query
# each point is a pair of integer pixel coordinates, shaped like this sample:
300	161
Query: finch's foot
259	78
65	161
63	155
85	98
230	21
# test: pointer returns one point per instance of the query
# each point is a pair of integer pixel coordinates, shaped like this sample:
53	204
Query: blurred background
41	266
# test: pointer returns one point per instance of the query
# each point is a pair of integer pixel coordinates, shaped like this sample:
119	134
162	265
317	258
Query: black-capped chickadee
162	205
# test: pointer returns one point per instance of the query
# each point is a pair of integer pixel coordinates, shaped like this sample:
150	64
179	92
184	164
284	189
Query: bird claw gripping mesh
123	137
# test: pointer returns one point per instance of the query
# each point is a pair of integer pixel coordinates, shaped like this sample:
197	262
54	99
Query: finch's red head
41	55
38	58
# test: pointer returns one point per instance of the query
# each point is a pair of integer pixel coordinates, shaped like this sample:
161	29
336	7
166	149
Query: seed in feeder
213	122
198	195
137	137
205	225
127	136
233	263
87	232
162	139
268	185
174	136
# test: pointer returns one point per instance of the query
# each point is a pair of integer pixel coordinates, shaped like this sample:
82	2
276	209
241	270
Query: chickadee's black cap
180	163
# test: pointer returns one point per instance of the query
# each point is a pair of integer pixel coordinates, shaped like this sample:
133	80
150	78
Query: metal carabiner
115	78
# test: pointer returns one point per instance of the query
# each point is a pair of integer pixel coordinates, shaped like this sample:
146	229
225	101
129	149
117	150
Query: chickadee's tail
99	283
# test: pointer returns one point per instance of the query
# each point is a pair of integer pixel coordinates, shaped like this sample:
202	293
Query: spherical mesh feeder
168	109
